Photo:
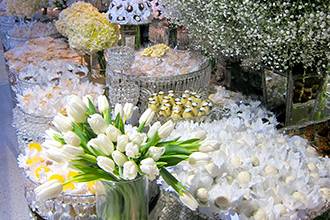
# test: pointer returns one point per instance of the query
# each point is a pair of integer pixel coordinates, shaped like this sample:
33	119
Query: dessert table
12	201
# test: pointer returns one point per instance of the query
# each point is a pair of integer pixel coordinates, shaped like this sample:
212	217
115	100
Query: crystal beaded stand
29	127
119	58
136	89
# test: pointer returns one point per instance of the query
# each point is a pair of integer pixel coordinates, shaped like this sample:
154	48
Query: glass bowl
29	127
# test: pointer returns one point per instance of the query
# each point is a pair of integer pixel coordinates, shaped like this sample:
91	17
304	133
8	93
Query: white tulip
119	110
132	150
71	152
128	111
146	117
202	195
188	200
122	141
129	170
48	190
86	99
119	158
112	132
149	167
105	164
76	109
200	134
156	152
71	138
51	144
208	146
154	129
166	129
102	143
51	133
137	138
55	155
62	123
102	103
198	158
97	123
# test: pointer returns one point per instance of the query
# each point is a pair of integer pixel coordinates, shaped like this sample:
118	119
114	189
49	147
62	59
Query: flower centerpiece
97	144
88	31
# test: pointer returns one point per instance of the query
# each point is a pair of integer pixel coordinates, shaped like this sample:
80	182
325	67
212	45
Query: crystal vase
124	200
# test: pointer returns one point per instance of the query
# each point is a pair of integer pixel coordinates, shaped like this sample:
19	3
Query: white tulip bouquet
97	143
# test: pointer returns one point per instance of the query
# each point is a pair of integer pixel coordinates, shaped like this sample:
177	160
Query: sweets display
188	105
38	50
165	62
249	167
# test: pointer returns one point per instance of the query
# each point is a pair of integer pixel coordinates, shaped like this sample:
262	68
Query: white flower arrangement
246	165
99	146
276	34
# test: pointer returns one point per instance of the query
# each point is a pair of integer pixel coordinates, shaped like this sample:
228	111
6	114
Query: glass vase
124	200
